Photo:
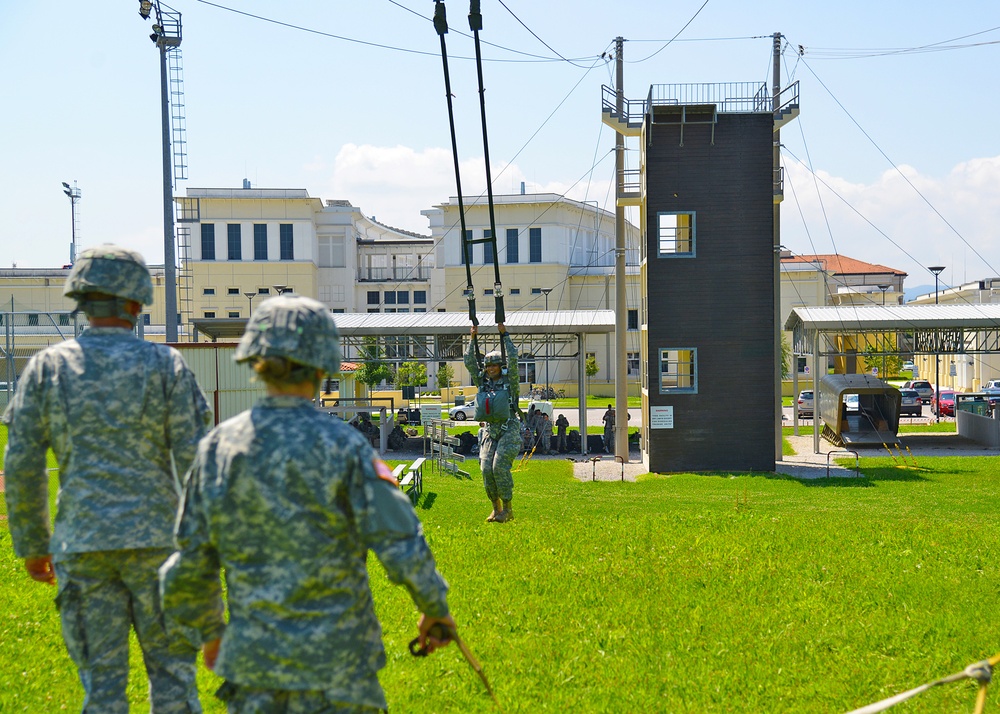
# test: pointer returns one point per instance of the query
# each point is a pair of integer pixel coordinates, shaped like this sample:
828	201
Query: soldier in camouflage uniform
123	417
503	438
288	501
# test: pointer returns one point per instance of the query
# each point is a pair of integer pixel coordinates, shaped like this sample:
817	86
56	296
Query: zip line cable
901	174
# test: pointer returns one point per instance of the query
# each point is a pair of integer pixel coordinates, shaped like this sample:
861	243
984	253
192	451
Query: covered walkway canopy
890	330
441	336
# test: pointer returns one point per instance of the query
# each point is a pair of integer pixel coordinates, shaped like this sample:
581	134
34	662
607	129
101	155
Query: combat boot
507	514
497	510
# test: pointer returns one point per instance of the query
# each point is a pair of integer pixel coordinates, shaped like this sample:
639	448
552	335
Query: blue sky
888	90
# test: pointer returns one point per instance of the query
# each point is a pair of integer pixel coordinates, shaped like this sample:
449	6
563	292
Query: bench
412	482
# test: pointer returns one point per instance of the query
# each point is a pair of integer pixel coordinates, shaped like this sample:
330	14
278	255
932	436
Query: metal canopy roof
396	324
457	323
899	318
929	329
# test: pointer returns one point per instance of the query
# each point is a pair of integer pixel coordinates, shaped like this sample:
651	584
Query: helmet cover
111	270
295	327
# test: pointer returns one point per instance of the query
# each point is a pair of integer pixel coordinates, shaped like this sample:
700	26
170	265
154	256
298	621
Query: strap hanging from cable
476	24
441	25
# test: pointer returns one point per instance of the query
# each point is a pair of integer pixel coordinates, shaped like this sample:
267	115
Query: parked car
462	412
947	403
992	384
922	387
908	367
911	405
993	396
804	404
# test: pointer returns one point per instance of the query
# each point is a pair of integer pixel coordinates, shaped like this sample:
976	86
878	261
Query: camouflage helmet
494	357
111	270
297	328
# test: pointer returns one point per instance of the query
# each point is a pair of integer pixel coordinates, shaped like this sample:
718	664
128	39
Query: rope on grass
981	671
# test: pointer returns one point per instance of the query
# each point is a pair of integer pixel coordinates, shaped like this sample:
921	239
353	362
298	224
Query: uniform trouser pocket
70	606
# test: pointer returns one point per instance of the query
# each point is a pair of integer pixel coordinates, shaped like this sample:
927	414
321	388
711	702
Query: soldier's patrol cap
111	270
295	327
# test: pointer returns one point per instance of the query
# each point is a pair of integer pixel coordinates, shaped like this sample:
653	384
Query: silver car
804	404
922	387
911	405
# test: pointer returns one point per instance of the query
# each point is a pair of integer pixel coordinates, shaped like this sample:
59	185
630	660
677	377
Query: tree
411	374
373	369
592	366
445	376
875	357
786	357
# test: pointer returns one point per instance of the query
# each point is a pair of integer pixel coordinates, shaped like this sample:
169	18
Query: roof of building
842	264
867	318
364	324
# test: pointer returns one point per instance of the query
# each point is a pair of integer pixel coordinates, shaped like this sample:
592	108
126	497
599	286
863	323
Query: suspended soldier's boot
497	509
507	514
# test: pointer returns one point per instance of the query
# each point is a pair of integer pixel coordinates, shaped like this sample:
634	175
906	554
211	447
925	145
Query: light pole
250	296
281	289
883	288
166	36
74	196
545	292
936	269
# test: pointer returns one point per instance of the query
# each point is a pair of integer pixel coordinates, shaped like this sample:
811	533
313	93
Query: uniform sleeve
26	476
472	364
189	415
390	528
512	374
190	588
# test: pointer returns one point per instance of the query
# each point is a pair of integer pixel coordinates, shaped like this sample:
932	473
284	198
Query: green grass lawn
683	593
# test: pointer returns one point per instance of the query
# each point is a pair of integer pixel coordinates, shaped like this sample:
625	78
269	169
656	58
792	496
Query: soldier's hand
473	330
40	569
211	652
432	640
502	328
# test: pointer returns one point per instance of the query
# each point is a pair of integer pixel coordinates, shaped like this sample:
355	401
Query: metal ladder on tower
178	142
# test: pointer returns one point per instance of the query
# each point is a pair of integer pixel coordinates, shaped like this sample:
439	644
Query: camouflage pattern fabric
545	434
288	501
248	700
101	595
111	270
123	417
502	441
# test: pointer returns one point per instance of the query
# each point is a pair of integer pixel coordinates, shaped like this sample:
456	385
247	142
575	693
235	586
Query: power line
667	43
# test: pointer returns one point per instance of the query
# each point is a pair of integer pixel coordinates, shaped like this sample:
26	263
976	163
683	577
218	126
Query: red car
947	403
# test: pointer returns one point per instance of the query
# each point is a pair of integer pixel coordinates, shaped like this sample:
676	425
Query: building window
511	245
488	249
232	291
535	245
286	245
337	311
63	320
373	297
526	368
801	362
403	297
488	292
420	309
208	291
146	318
390	297
234	313
265	291
373	309
260	241
208	241
632	363
536	291
633	319
331	252
235	241
419	297
678	371
515	291
209	315
466	246
675	234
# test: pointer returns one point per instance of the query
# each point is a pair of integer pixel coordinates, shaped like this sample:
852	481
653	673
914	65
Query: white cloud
919	229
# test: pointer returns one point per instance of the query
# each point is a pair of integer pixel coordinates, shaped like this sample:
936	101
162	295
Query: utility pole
621	308
776	160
